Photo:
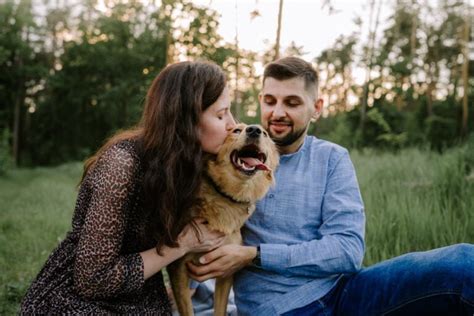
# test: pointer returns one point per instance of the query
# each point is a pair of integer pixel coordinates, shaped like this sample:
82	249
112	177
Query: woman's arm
101	270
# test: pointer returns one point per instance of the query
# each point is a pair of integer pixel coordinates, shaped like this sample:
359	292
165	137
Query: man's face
287	108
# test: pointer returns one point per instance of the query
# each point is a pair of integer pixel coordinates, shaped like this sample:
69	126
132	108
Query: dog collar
223	193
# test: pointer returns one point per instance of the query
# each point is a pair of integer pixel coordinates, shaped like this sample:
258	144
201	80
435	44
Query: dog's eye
237	131
265	133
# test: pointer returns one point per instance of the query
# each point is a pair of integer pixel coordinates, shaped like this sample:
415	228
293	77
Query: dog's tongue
254	162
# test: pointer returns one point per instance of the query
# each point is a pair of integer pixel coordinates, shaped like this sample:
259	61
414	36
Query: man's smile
279	127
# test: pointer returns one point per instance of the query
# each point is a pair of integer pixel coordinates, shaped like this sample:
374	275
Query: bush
442	128
336	129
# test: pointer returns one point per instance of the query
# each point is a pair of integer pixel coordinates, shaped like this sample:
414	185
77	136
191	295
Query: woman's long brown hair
169	146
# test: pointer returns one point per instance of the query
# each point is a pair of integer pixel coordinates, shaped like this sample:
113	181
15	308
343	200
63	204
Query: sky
304	21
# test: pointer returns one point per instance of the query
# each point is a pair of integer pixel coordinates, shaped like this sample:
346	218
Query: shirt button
271	196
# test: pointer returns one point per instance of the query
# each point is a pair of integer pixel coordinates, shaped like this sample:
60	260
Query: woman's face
216	122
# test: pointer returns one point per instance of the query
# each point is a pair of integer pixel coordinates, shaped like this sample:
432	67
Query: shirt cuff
274	256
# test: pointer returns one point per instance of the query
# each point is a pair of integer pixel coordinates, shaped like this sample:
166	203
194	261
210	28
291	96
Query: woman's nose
230	123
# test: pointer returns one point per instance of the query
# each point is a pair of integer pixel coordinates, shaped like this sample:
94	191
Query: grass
35	212
415	200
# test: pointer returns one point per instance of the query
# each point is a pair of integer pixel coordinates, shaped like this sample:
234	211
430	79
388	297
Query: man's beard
288	139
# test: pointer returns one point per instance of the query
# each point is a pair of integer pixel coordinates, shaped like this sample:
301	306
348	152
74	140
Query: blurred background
393	73
397	78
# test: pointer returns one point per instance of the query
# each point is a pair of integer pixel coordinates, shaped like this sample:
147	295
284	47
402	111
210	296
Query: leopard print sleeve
100	270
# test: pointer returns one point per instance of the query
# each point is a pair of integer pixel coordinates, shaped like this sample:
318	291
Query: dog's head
245	163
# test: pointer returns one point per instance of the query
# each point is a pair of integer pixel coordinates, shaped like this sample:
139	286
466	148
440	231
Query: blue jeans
436	282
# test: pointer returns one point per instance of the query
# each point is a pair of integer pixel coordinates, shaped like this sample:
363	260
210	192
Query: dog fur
228	195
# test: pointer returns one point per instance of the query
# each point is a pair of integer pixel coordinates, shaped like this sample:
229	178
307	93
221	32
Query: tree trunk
465	75
239	111
277	44
17	127
414	27
429	92
365	95
168	22
169	47
345	90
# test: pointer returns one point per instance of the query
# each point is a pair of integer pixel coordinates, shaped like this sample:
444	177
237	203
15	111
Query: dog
233	181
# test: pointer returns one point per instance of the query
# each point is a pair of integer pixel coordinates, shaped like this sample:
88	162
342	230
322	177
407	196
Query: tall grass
35	212
415	200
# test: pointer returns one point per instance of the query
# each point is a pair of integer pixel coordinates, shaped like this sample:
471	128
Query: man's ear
318	107
260	98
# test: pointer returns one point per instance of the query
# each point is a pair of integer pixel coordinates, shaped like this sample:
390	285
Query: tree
101	81
22	67
465	72
336	65
278	32
369	61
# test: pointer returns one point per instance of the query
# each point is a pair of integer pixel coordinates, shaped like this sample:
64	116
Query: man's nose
253	131
278	111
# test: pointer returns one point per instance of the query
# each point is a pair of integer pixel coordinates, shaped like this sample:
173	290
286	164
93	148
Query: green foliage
100	86
336	128
71	79
384	128
75	91
442	128
413	96
387	137
22	64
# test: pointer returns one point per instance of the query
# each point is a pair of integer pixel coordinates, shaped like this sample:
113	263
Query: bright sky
304	21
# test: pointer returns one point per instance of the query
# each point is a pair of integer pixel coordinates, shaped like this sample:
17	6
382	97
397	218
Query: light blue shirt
310	228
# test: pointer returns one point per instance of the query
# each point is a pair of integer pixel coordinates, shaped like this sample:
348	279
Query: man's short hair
292	67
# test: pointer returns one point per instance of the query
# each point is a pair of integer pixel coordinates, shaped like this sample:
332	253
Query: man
304	245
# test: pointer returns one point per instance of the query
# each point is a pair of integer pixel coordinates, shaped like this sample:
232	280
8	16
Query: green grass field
415	200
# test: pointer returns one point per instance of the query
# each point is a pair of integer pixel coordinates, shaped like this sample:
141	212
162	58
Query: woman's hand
208	239
188	242
222	262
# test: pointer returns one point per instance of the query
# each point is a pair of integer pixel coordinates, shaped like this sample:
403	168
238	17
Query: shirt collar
299	151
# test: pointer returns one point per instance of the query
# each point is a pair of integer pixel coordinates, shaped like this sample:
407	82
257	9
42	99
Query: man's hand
222	262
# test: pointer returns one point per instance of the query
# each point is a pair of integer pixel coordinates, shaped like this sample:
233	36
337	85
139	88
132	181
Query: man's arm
339	250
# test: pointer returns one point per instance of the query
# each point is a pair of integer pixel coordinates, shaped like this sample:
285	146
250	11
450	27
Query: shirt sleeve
340	248
101	270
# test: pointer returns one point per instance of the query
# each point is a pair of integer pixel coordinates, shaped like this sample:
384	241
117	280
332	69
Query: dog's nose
253	131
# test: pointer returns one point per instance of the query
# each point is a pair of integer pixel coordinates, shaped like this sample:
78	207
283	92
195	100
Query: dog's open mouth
249	159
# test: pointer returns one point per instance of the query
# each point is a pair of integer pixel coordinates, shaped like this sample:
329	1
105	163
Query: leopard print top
97	268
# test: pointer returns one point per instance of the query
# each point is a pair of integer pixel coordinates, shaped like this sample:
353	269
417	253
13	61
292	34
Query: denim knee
461	255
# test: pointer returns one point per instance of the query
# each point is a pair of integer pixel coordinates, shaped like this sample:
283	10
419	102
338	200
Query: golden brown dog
241	174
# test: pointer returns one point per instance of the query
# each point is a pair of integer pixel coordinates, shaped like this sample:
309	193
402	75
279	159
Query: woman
134	193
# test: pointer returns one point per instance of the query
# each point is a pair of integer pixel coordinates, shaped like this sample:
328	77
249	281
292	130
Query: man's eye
237	131
293	103
269	101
